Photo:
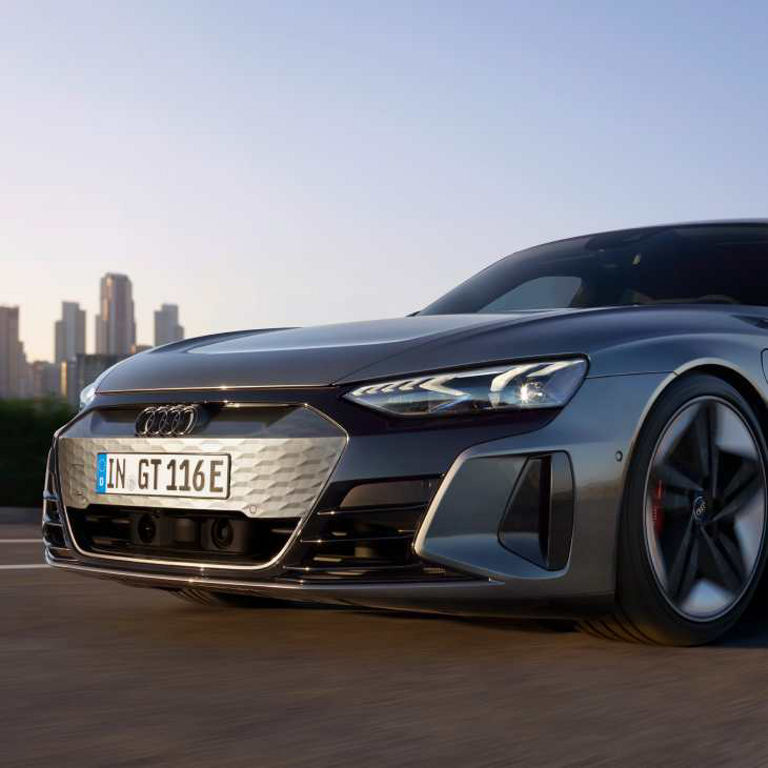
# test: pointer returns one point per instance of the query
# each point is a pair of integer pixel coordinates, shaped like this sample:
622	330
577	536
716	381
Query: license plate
201	476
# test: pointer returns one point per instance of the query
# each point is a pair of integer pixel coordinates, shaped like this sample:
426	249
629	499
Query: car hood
293	357
617	340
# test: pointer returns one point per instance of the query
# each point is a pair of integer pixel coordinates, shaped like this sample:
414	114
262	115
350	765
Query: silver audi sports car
576	432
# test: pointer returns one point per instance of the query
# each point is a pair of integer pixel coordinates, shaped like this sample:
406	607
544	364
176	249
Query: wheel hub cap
699	510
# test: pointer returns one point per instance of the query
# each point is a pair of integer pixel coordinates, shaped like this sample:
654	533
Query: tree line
26	429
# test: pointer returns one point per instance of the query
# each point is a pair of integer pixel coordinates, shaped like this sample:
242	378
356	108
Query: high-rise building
167	328
11	353
45	379
70	332
115	323
24	381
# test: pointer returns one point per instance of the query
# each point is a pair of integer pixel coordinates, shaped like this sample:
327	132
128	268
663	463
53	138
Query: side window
549	292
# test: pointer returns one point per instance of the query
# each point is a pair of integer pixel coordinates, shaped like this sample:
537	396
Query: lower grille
182	534
365	533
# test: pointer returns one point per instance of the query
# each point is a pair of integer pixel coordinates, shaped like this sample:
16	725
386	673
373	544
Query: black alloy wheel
705	508
691	548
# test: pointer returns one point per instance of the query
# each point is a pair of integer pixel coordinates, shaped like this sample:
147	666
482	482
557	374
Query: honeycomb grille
270	477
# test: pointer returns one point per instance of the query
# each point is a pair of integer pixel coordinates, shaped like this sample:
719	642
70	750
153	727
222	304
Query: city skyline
68	369
70	329
298	164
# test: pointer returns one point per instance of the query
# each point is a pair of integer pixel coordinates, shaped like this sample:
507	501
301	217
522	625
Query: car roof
660	227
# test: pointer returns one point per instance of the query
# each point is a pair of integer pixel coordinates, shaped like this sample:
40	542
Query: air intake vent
367	535
539	519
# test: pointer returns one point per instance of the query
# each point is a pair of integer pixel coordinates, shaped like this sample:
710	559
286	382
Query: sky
294	163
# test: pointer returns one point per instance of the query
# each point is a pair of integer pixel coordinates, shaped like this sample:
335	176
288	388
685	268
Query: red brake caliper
656	508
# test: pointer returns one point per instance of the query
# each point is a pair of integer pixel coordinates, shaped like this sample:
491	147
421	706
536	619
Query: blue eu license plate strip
101	473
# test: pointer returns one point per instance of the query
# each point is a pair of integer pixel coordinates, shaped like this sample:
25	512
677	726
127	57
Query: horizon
263	165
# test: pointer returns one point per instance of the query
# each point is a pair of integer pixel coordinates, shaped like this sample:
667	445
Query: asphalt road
96	674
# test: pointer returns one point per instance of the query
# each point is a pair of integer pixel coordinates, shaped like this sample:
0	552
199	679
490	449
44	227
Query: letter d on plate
101	473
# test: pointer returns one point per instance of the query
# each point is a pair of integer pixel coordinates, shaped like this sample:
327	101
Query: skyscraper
24	380
115	324
10	352
167	328
70	332
45	379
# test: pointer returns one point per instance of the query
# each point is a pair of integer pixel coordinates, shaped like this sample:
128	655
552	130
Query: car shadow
501	623
751	632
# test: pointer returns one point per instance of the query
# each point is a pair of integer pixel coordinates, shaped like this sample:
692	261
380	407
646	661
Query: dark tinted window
720	264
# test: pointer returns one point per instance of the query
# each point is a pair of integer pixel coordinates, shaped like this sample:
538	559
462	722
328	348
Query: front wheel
693	528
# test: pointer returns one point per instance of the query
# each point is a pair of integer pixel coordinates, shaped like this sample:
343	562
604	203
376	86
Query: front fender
597	430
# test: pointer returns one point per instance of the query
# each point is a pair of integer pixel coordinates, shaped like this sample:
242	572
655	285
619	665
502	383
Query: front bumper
457	563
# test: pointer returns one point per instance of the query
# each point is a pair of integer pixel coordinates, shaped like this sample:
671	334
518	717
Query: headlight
549	384
87	395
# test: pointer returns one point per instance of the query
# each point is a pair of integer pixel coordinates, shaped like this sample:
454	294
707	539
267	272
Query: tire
686	574
224	599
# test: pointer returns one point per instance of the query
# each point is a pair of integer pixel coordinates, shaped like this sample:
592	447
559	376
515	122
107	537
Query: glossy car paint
633	354
618	340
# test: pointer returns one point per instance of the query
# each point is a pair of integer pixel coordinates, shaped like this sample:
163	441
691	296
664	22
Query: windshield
713	263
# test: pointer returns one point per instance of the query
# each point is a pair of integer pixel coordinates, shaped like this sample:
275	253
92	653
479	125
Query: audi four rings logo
168	420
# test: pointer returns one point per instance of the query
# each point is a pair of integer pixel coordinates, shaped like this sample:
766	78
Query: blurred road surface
96	674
